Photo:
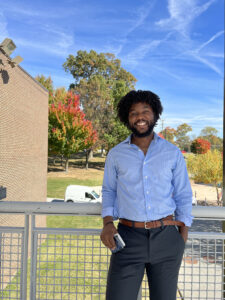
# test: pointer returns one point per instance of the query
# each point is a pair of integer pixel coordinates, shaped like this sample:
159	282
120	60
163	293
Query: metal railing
71	263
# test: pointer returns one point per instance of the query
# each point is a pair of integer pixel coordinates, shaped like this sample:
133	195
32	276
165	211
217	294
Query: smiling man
146	187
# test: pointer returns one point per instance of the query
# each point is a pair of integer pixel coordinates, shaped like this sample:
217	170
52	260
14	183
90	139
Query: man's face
141	119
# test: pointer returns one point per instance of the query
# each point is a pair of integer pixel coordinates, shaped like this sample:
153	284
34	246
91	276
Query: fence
71	263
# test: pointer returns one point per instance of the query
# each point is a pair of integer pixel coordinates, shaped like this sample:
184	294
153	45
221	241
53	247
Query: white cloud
142	14
208	64
181	15
47	48
215	36
138	54
62	39
52	40
19	11
197	122
214	54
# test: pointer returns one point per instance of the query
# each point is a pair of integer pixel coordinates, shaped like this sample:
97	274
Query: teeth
141	124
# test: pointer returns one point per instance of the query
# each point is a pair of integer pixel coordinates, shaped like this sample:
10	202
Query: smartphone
119	243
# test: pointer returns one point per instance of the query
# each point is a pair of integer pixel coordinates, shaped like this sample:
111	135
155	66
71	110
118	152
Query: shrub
200	146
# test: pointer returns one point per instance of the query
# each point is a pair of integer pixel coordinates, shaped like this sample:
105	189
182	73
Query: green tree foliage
200	146
209	131
117	132
69	131
169	134
182	140
86	64
48	84
97	101
60	94
101	82
207	168
114	136
210	134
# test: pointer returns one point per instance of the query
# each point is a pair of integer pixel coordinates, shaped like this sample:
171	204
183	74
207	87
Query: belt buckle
146	225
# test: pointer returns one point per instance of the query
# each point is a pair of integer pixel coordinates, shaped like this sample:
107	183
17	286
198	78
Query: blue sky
173	47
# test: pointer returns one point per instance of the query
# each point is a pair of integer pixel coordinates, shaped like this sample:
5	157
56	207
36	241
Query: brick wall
23	135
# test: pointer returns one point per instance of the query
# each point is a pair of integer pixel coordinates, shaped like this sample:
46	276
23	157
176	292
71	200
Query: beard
143	134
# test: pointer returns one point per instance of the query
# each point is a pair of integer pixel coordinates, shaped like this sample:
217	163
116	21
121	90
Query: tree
208	131
97	101
101	82
210	134
200	146
84	65
69	131
169	134
117	134
182	140
207	168
48	84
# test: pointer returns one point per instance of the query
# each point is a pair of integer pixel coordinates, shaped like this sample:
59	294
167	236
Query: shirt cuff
187	220
107	212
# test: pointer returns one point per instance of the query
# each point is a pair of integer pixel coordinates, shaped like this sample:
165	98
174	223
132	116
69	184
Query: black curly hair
132	97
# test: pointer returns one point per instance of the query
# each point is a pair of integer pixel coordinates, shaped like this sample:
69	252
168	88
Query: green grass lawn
56	186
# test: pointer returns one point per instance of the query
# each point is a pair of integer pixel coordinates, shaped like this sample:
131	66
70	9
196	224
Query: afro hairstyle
133	97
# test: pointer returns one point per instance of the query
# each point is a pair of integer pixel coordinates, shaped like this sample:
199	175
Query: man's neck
142	142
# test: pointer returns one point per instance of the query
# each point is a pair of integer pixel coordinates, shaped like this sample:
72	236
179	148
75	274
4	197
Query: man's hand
184	232
107	235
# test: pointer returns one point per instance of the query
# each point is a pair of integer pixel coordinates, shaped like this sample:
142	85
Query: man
145	183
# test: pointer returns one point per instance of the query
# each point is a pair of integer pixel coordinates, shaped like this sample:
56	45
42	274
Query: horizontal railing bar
94	209
12	229
89	231
67	230
206	235
60	208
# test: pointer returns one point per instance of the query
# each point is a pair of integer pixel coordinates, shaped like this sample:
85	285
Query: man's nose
140	115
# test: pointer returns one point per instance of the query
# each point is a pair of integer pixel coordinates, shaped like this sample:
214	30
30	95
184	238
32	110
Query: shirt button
146	177
147	192
144	163
149	207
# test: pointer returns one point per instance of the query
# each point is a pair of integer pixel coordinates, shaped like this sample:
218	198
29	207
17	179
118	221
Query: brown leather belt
152	224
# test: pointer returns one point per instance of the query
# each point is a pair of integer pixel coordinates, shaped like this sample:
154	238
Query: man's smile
141	123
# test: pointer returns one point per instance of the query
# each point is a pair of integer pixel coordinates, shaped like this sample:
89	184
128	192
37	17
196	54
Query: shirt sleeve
182	193
109	188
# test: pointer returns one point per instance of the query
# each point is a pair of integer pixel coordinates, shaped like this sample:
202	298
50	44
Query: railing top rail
94	209
61	208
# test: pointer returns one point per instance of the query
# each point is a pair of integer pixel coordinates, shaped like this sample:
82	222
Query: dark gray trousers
158	250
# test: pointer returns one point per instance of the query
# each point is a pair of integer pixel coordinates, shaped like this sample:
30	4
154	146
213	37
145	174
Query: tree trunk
67	165
90	154
87	159
61	160
217	195
102	151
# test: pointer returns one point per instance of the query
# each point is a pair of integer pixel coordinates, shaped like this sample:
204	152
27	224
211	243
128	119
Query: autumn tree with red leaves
200	146
69	131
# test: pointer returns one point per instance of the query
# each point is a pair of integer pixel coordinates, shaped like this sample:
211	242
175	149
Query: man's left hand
184	232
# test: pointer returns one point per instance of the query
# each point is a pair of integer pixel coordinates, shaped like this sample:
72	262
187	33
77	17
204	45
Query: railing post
33	265
1	279
139	297
24	258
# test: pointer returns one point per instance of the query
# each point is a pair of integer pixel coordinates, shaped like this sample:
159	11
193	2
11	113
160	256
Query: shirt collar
155	139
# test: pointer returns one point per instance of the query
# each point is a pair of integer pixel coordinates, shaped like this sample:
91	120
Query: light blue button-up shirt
147	187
